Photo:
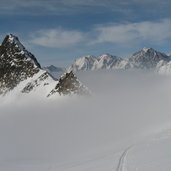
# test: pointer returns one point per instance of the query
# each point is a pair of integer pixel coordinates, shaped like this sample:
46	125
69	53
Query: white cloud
57	38
122	34
155	32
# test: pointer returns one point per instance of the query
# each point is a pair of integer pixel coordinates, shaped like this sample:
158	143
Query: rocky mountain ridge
146	58
20	71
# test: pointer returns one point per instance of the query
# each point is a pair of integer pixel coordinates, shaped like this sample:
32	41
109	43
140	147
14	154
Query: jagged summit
104	61
16	63
147	58
83	63
69	84
20	70
106	55
13	45
147	49
107	61
10	38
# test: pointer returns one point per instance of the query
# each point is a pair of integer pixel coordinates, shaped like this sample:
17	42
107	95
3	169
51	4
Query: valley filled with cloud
68	133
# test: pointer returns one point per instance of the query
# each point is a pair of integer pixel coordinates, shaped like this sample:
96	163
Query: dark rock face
16	63
69	84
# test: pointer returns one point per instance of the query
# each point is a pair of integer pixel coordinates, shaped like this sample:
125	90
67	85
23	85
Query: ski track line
122	159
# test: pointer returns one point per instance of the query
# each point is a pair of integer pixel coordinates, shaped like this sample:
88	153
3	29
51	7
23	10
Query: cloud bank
57	38
50	135
135	32
156	32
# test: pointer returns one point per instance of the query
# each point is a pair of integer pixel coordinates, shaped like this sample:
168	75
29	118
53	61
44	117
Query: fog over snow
85	133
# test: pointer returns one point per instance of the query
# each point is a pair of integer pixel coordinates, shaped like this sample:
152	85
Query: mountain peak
147	58
17	64
104	61
19	67
69	84
12	39
105	55
13	47
147	49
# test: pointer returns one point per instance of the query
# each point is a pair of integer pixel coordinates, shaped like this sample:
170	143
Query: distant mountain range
21	72
147	58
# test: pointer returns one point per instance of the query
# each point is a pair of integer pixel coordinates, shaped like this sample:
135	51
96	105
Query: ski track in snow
159	138
122	160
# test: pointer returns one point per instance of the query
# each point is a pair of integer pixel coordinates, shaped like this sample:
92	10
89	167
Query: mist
123	108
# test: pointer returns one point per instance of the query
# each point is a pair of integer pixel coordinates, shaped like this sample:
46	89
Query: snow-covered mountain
84	63
105	61
108	61
21	72
146	58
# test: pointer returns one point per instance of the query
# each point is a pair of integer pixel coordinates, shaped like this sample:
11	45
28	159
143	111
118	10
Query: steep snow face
147	58
83	63
42	82
43	85
105	61
16	63
37	86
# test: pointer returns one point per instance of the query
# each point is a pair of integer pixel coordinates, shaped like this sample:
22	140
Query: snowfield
125	125
153	154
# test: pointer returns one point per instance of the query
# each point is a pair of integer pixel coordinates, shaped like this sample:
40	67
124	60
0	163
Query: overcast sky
58	31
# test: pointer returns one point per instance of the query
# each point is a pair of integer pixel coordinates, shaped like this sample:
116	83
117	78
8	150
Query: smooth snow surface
152	155
120	127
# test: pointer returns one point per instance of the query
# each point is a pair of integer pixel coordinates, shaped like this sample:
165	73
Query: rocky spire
69	84
16	63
